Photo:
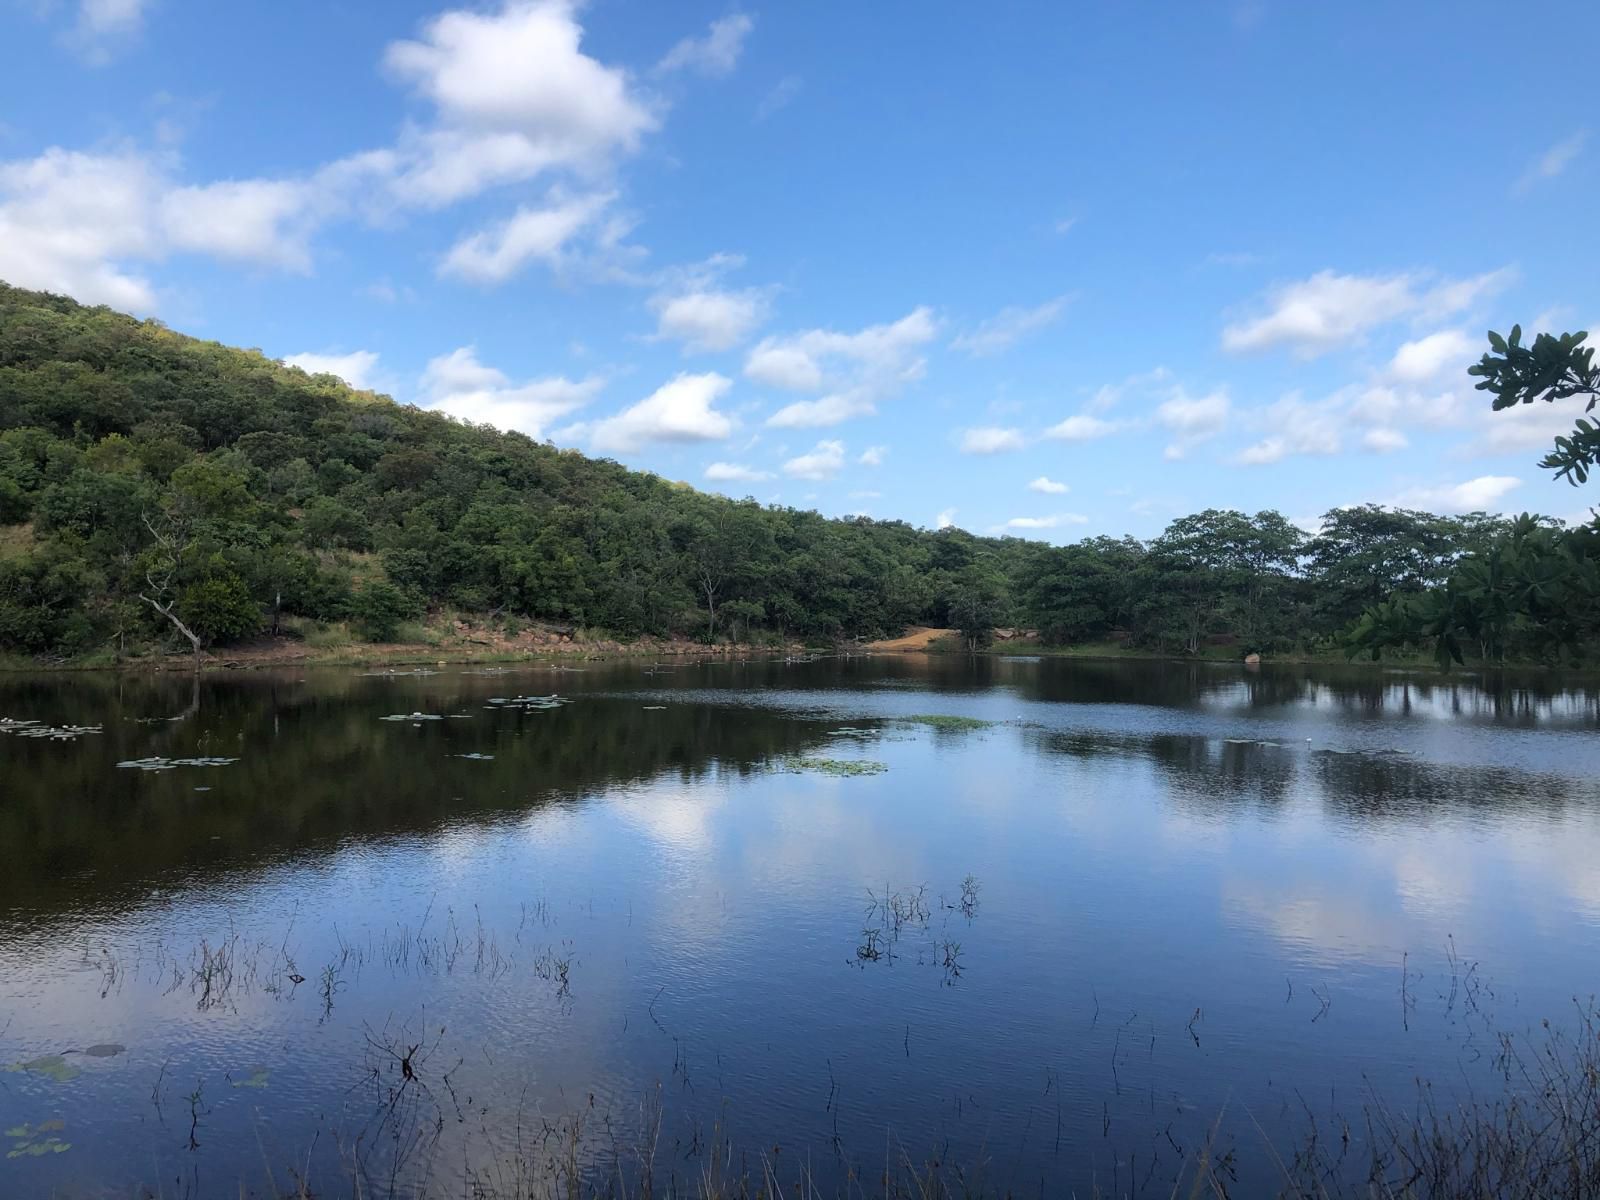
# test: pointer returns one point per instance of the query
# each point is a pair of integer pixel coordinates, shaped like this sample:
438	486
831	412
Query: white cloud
1065	224
681	410
717	53
1009	326
1527	427
1192	419
1048	486
516	96
1080	428
726	472
1053	521
1553	161
1384	441
102	26
1296	426
541	234
70	223
458	384
1378	405
991	440
1480	494
251	220
873	456
858	369
356	368
822	462
1447	352
945	519
781	96
1314	315
709	319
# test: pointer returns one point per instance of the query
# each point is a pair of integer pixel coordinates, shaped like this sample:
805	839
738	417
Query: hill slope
151	481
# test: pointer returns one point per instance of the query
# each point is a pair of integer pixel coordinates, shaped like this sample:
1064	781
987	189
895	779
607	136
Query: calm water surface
1144	902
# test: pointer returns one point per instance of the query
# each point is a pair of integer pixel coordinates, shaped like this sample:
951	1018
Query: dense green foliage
1533	591
156	489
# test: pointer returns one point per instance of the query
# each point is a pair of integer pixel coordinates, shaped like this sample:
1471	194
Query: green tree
379	608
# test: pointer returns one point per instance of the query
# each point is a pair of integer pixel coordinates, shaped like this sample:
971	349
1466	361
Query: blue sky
1055	270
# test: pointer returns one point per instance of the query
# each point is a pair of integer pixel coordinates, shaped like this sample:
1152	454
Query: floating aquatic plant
475	756
415	718
257	1078
946	721
51	1066
397	674
105	1050
526	703
33	729
35	1141
835	766
169	764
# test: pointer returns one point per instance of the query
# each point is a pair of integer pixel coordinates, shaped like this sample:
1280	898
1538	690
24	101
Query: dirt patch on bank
919	637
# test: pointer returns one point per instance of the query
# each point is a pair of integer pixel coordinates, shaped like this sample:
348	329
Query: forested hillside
156	489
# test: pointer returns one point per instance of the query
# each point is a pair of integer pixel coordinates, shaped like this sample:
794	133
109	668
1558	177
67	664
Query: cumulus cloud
1552	162
694	308
459	384
1008	327
101	27
1053	521
1192	419
991	440
1384	441
1312	316
357	368
945	520
873	456
824	461
714	54
1296	426
530	235
857	370
1447	352
1048	486
267	221
1080	428
726	472
681	410
1475	495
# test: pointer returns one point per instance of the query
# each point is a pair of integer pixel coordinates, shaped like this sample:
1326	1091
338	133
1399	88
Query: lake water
1146	906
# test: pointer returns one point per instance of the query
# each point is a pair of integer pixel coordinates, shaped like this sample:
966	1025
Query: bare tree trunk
166	610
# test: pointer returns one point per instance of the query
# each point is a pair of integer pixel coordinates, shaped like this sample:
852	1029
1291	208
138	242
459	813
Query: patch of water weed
842	767
526	703
475	757
56	733
51	1066
397	674
169	764
104	1050
257	1078
416	718
946	721
35	1141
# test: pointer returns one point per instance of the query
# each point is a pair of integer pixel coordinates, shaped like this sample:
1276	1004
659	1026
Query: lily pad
476	757
256	1079
414	718
51	1066
836	766
105	1050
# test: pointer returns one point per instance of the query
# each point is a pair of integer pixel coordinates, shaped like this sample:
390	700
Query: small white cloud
458	384
1064	225
1192	419
1297	427
1009	326
1053	521
1475	495
709	319
1553	161
992	440
715	54
781	96
873	456
1080	428
103	26
681	410
251	220
1447	352
532	234
945	519
857	369
1048	486
1327	310
356	368
726	472
823	462
1384	441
